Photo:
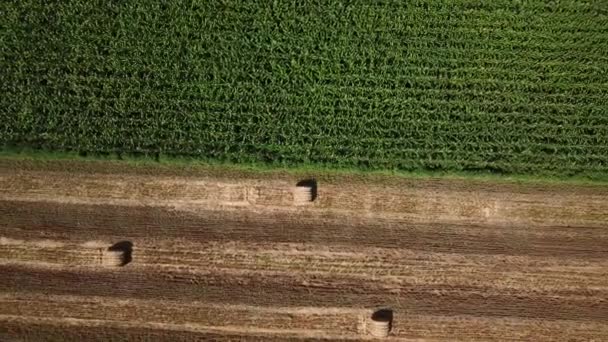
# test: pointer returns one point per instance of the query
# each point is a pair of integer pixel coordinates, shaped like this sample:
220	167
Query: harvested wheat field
113	251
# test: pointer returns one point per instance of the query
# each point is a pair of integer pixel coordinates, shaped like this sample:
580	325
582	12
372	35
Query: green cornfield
505	86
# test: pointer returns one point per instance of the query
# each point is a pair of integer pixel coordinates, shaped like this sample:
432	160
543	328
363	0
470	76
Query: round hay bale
380	323
305	192
113	258
302	195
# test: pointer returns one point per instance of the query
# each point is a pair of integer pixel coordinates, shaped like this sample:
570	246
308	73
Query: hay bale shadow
383	315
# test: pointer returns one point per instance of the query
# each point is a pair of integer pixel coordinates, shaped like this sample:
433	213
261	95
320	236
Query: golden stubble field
105	251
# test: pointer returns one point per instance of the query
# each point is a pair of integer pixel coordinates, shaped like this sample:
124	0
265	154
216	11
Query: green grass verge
434	85
170	164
